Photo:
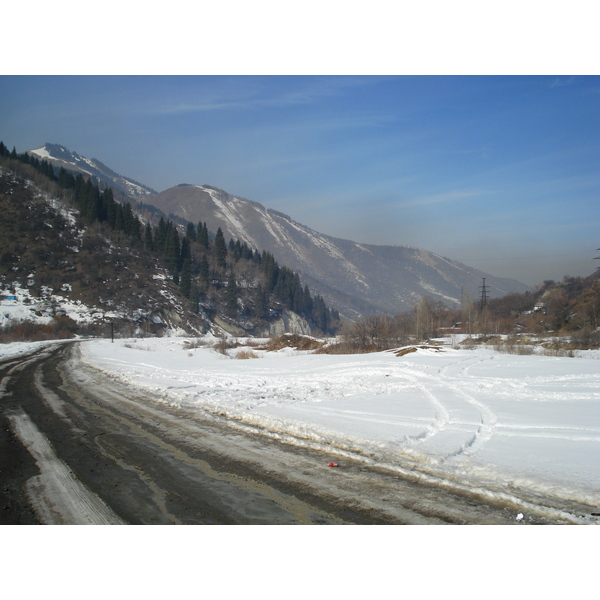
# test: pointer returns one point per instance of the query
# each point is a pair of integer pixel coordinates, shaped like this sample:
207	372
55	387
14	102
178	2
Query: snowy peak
59	156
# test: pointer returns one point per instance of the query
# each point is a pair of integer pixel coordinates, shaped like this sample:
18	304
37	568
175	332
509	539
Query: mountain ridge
356	278
60	156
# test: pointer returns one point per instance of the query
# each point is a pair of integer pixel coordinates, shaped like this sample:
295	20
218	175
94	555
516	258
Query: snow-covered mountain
59	156
355	278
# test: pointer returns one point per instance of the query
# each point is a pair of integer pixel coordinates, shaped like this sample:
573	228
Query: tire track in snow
443	421
488	419
441	415
484	432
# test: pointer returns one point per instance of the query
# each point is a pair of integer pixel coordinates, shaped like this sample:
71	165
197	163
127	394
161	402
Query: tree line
205	265
568	309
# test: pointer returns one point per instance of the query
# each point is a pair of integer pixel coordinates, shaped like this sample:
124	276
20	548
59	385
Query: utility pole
484	295
483	313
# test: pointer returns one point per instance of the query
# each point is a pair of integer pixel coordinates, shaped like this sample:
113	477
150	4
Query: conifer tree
202	235
148	240
160	237
307	302
185	253
78	190
191	231
271	270
91	207
65	179
46	169
172	248
247	252
131	224
127	218
261	302
119	221
204	268
220	249
107	206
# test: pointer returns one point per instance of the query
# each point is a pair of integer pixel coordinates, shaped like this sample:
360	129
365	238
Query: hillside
569	309
73	260
66	277
357	279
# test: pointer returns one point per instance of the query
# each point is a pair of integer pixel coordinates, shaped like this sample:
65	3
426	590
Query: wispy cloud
255	93
444	198
563	81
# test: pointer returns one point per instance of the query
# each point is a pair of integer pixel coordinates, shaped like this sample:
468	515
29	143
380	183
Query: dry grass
409	349
293	340
246	354
405	351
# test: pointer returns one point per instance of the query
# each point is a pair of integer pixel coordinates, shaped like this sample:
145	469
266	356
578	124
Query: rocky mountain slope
355	278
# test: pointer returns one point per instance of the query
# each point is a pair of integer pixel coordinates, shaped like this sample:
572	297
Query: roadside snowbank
16	349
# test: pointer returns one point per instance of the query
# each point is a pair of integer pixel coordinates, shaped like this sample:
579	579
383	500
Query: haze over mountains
357	279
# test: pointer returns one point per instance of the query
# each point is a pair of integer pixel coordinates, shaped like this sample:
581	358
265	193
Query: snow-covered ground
475	414
469	418
19	305
472	418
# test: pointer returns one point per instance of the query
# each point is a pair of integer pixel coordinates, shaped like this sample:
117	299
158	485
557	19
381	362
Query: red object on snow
332	464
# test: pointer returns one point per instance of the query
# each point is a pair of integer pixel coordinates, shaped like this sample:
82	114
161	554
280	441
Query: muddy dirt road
77	447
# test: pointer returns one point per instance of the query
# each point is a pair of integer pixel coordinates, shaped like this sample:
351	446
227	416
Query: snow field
472	417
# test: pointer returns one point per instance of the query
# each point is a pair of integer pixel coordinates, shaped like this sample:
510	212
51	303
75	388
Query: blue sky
500	172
